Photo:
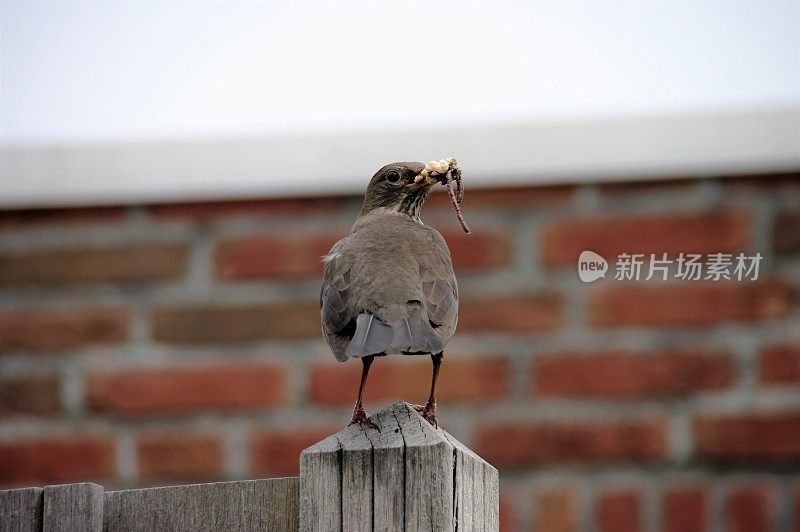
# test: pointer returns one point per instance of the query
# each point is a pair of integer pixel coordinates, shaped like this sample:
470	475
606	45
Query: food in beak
446	171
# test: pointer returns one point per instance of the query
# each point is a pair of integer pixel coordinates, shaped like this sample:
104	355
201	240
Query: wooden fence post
404	476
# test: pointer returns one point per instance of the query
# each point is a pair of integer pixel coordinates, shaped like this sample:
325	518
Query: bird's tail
410	335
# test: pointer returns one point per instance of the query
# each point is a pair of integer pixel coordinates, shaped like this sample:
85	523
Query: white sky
74	71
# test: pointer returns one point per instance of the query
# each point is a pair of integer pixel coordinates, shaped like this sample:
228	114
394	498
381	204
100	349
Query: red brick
481	250
689	304
187	389
464	380
685	509
277	453
525	444
273	257
29	394
621	375
57	460
555	510
299	256
58	329
709	232
193	324
786	234
504	198
25	218
749	438
179	456
780	364
749	509
520	314
618	511
133	263
259	207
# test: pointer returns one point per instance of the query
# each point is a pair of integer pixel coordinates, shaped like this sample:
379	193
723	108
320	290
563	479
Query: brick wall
177	343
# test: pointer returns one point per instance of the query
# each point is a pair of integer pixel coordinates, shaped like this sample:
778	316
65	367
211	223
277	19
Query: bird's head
400	187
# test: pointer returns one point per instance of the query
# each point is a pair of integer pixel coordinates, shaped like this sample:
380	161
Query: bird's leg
429	410
359	416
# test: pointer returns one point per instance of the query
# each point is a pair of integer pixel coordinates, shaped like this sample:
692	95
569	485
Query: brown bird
388	287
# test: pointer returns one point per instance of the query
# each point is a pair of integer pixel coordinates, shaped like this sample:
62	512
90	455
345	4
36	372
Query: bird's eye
393	176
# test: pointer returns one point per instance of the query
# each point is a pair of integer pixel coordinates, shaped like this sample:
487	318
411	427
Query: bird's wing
439	287
336	308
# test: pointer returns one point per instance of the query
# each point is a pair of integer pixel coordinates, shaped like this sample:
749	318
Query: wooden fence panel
73	507
21	510
270	504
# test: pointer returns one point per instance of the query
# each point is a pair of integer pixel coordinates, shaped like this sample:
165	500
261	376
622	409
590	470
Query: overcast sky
74	71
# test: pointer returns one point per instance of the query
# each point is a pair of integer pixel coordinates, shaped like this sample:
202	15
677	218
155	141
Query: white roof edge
323	164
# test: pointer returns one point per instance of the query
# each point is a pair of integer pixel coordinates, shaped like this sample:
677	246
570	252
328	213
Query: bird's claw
359	416
431	418
428	412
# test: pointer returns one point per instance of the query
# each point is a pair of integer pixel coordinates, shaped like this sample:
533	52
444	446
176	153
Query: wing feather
336	305
440	291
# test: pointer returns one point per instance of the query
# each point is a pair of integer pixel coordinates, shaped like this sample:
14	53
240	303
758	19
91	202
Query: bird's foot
359	416
428	412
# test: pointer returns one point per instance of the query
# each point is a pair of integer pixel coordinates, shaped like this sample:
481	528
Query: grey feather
372	337
403	338
409	336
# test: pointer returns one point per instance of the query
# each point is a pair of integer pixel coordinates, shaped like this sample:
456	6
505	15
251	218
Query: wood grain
388	459
356	478
21	510
406	475
321	486
269	504
73	507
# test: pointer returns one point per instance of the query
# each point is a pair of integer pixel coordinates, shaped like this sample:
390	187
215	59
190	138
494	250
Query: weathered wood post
404	476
